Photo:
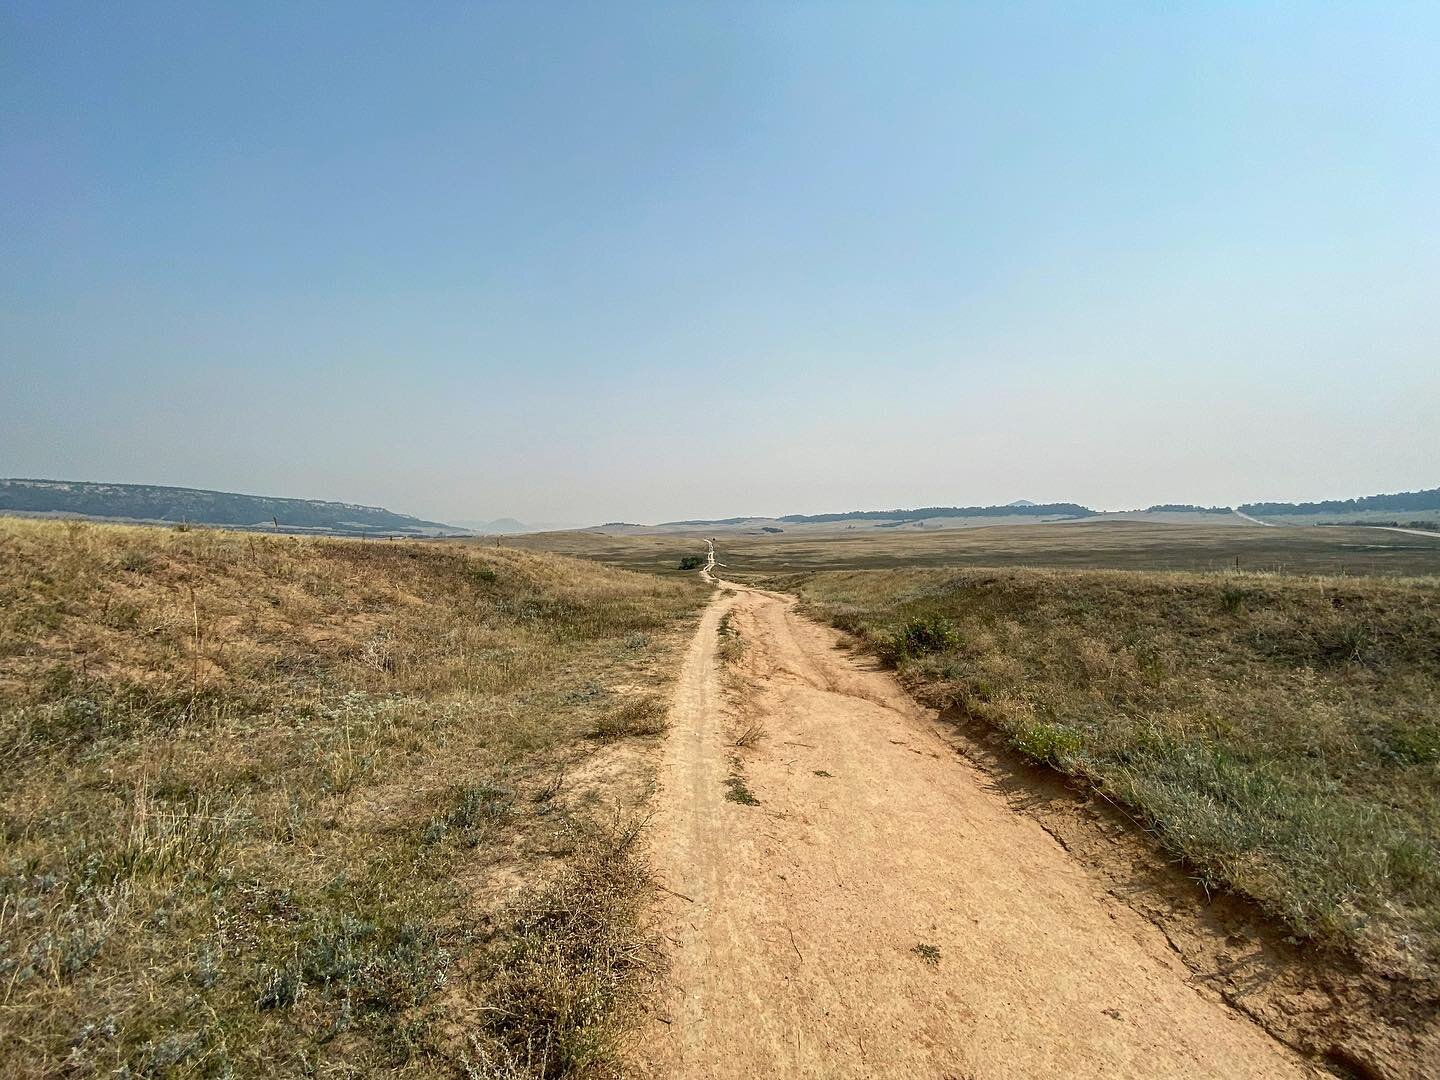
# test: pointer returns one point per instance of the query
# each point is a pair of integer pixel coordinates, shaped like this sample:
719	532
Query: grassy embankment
1280	734
279	806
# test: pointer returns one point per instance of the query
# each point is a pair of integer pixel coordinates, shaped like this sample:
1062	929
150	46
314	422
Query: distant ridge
496	526
1061	510
172	505
1405	502
716	521
1015	509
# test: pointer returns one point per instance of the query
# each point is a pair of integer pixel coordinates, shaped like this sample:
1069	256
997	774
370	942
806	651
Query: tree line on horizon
1402	502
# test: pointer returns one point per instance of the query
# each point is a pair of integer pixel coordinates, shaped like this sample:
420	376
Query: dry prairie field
1125	545
297	806
1275	731
280	806
1278	728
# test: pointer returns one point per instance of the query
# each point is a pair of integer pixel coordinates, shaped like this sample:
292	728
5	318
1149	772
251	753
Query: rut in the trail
882	912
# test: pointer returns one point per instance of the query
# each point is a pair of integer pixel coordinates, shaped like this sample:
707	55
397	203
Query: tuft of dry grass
1279	734
635	716
264	793
732	646
749	737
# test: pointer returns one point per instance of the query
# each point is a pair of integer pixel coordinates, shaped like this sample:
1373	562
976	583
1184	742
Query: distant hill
1416	508
1018	509
711	521
1402	502
153	503
496	526
509	526
1060	510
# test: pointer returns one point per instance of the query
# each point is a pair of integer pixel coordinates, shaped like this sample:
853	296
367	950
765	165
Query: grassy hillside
297	806
1280	734
148	502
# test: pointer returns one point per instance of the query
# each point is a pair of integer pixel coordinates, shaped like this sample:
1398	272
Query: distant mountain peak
1020	502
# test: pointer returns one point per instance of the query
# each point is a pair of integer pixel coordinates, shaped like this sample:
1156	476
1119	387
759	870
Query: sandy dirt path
1382	528
1411	532
882	912
1253	520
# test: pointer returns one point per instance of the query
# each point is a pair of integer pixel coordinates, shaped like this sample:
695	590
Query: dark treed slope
1402	502
147	502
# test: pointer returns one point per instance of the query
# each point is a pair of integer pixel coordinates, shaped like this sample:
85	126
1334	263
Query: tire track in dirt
883	911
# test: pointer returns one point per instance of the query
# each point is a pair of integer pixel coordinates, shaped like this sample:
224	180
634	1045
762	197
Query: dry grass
263	794
749	737
636	716
560	993
732	646
1280	734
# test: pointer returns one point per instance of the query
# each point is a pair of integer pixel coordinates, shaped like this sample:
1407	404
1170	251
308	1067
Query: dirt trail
1253	520
882	911
1411	532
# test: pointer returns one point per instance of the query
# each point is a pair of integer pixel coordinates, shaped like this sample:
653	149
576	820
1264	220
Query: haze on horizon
649	262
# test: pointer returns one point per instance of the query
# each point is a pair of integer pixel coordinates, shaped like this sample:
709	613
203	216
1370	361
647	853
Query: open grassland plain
1130	545
659	554
281	806
1274	728
1278	734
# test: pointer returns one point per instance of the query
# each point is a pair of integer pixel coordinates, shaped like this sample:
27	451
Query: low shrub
920	635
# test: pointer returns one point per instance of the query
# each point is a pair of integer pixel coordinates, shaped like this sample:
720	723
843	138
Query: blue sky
617	261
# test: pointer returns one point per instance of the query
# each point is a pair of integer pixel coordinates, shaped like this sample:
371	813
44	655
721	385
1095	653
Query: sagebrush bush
919	635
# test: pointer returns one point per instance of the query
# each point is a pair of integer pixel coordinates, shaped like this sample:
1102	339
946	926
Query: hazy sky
639	262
